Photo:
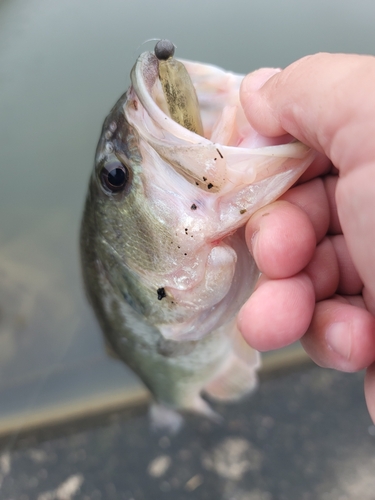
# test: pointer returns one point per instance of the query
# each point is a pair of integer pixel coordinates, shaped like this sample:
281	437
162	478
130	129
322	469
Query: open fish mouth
226	152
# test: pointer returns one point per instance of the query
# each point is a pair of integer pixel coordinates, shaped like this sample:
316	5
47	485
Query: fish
178	172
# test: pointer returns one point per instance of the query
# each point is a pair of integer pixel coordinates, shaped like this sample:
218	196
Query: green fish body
164	258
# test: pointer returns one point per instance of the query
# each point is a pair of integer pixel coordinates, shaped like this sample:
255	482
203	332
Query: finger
311	197
331	270
354	300
368	300
323	270
321	111
321	165
341	336
355	205
330	184
281	239
370	390
256	79
278	312
349	282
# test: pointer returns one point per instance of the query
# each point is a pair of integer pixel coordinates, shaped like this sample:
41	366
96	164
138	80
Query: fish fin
109	350
164	419
201	407
235	381
246	353
169	420
238	377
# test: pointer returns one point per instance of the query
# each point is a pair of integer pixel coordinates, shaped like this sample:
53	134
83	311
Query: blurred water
62	66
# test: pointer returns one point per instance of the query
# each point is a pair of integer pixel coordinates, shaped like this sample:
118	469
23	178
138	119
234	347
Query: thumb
326	101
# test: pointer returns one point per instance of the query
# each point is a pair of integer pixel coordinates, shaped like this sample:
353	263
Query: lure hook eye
164	49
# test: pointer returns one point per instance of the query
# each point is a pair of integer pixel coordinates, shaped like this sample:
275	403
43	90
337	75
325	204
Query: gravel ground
304	435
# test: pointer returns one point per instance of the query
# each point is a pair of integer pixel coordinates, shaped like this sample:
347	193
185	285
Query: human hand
316	245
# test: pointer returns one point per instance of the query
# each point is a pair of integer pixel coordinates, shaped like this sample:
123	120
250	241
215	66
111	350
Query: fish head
167	206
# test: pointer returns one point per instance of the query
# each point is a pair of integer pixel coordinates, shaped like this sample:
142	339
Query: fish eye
114	177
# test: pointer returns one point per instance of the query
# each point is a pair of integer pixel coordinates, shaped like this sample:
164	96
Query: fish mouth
230	153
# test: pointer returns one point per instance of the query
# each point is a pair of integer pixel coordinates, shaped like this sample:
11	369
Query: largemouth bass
178	172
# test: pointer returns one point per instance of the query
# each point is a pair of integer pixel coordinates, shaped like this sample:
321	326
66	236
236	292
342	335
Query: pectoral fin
238	376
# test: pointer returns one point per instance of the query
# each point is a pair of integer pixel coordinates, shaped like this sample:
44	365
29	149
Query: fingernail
339	339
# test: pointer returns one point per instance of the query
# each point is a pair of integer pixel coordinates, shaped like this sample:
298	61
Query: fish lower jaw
218	240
